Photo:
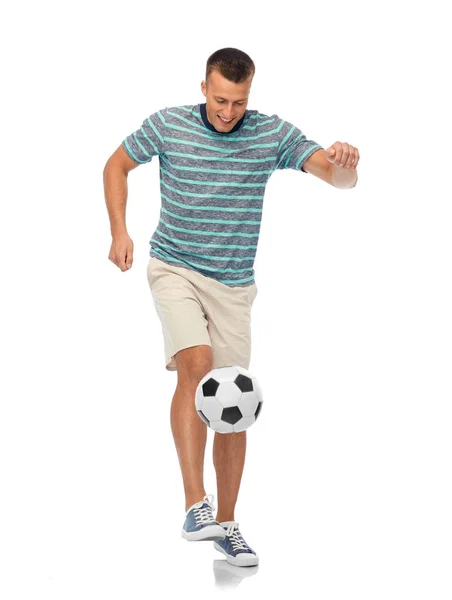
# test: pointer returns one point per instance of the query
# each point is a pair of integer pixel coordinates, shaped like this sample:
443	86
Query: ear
203	87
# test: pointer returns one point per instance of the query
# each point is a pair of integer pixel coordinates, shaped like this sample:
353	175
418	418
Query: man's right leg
189	431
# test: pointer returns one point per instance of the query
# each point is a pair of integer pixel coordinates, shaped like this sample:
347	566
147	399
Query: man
215	161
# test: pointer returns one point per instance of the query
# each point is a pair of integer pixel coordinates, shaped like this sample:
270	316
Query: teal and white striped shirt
212	185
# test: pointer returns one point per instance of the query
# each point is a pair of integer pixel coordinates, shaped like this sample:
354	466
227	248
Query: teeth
226	121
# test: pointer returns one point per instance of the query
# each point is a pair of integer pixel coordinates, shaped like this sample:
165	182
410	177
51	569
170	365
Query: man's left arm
336	165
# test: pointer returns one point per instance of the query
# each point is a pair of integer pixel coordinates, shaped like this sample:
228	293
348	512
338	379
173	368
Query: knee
193	363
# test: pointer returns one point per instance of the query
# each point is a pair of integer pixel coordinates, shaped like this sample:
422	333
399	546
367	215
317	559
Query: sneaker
199	522
234	547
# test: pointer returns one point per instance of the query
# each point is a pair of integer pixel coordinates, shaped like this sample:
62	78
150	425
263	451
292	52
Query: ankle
221	518
193	500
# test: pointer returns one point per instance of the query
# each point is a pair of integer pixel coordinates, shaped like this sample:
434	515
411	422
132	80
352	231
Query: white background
346	490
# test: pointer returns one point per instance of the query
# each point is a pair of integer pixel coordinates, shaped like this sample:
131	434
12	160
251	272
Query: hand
121	251
343	155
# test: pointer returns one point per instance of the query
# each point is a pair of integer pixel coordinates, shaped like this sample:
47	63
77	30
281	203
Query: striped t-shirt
212	185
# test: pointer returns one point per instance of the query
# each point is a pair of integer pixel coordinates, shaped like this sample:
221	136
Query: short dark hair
232	63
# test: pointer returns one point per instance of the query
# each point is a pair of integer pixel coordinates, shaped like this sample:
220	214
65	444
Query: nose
227	113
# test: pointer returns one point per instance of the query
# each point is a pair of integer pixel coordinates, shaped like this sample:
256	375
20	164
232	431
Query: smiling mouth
225	122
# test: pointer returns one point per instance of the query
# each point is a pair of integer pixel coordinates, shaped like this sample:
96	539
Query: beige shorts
194	309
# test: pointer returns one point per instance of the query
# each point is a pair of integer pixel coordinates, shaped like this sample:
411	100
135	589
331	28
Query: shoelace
204	515
236	539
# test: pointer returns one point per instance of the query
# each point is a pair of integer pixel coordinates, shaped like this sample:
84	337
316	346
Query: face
225	99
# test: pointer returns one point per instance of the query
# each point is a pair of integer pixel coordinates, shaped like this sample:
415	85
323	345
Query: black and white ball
228	399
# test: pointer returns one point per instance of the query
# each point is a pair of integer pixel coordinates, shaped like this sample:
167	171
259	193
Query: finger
356	159
122	261
351	156
338	155
345	154
129	259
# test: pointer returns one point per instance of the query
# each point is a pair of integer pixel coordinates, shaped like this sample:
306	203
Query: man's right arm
115	188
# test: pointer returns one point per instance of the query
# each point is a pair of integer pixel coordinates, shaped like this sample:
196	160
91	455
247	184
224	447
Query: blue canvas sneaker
199	523
234	547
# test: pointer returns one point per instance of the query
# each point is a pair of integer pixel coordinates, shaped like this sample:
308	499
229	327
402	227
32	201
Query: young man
215	161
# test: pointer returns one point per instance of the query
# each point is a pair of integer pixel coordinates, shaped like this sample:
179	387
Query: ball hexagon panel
248	404
228	394
211	408
222	427
257	389
243	424
224	374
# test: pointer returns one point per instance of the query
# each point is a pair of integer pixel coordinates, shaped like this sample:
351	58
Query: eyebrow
221	98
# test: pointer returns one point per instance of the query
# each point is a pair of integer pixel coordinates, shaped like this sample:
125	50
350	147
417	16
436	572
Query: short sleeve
148	140
294	148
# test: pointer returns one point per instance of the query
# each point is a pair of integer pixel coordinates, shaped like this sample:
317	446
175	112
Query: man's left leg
229	459
229	326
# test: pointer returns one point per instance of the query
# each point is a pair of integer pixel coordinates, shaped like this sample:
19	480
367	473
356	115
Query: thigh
228	312
179	307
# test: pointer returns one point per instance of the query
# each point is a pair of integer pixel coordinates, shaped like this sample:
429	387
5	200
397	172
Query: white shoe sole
242	559
209	533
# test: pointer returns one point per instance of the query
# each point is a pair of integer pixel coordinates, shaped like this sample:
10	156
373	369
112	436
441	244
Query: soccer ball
228	399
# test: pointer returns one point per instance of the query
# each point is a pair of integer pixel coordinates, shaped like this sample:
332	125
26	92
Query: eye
222	102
